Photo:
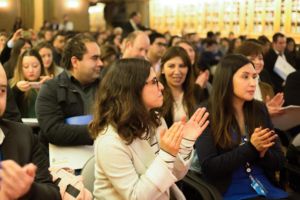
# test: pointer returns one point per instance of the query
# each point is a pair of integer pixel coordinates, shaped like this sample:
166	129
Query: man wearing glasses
158	46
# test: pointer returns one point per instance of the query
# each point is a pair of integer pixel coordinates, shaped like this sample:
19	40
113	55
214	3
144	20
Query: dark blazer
269	60
128	28
5	54
22	146
292	89
57	100
218	164
12	111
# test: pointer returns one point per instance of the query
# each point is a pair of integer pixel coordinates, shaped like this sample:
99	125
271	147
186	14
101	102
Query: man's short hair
133	14
276	36
75	47
153	36
132	36
60	33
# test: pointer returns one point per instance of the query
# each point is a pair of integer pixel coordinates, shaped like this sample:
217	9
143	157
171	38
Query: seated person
70	94
24	169
240	152
136	156
28	77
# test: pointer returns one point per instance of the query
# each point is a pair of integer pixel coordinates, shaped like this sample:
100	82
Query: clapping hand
274	105
16	181
170	139
196	125
263	139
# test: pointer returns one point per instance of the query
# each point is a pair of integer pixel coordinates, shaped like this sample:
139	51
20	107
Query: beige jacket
133	171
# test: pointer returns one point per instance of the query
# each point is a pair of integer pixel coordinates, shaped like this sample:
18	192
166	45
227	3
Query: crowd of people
158	101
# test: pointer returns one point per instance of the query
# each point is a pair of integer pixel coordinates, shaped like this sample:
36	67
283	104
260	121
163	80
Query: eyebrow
3	86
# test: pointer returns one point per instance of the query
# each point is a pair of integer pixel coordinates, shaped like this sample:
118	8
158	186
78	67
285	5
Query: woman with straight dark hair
240	152
136	156
264	91
178	81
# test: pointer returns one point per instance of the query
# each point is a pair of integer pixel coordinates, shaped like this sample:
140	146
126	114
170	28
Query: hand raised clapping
196	125
263	139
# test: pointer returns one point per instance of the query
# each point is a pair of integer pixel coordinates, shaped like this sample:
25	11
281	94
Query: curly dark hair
119	102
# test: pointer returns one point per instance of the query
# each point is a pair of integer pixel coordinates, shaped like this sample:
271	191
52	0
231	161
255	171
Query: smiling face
31	68
152	92
87	70
244	83
175	72
258	62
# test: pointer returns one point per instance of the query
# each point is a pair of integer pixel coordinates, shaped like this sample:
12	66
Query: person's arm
215	164
116	161
42	187
52	119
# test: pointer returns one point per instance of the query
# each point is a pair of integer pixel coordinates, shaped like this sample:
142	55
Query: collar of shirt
2	136
134	25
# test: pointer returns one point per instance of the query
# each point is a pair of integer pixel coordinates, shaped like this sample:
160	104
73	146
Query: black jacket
292	89
22	146
269	60
58	100
218	164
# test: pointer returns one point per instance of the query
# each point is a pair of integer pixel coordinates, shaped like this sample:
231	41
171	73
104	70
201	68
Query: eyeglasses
162	44
153	82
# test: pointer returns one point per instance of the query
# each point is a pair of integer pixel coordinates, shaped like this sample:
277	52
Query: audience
19	47
240	138
178	81
58	42
278	47
136	156
24	172
45	50
158	45
28	77
70	94
263	92
136	45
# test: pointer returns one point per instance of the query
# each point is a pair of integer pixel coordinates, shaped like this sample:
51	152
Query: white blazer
134	171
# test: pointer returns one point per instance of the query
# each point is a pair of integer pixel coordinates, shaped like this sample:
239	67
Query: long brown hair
188	85
46	45
222	118
119	102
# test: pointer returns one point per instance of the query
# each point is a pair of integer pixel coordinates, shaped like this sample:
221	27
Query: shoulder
107	137
58	70
295	76
109	144
16	130
60	79
14	125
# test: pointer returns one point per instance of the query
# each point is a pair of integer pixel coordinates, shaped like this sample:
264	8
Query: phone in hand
26	34
35	85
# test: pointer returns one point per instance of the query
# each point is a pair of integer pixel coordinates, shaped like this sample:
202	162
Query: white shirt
2	136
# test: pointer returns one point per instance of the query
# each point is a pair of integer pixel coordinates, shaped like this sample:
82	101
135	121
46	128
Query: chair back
88	174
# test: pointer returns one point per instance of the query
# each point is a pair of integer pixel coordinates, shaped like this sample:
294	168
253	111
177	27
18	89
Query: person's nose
160	86
100	63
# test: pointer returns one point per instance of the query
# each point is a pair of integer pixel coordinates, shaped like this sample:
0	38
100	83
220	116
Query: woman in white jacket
136	156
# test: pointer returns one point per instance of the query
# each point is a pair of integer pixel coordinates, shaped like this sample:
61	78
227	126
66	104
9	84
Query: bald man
136	45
